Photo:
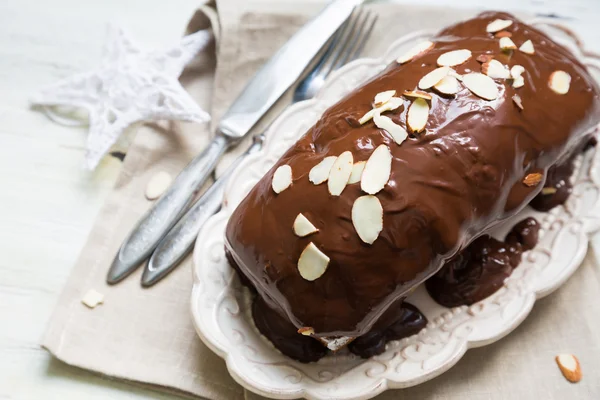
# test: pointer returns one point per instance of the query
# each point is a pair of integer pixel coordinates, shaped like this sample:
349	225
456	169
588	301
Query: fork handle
164	213
173	248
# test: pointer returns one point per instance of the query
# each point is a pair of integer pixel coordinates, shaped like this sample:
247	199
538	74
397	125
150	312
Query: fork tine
344	41
333	43
360	43
353	41
346	44
308	86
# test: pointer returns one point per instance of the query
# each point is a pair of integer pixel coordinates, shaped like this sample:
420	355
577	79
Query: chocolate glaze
243	278
278	329
448	184
400	320
284	335
479	270
558	180
526	233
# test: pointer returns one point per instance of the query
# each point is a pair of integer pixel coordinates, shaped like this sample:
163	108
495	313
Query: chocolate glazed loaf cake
401	175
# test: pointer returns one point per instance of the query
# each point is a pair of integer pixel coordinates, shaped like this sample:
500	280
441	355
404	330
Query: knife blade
269	83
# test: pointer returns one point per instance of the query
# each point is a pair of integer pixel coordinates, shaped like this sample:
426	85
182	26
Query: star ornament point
129	86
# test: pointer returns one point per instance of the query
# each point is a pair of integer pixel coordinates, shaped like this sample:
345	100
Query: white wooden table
48	202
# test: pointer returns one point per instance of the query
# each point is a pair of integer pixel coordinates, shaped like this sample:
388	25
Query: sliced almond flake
495	70
306	331
397	132
455	74
517	99
570	367
418	114
516	71
340	173
518	82
415	51
507	44
448	85
357	171
559	82
532	179
481	85
498	25
453	58
320	172
157	185
367	218
416	94
383	97
334	343
527	47
92	298
282	178
549	190
312	263
502	34
303	227
390	105
367	117
377	170
483	58
433	77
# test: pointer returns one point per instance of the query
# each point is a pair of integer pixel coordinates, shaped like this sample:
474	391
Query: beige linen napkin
146	335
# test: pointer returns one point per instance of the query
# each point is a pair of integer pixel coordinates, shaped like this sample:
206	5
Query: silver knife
180	240
269	83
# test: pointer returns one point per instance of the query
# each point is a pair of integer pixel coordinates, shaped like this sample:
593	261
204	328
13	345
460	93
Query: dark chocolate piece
448	184
525	233
557	187
480	270
284	335
399	321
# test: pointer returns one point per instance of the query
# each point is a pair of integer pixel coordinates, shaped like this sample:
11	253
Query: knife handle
173	248
164	213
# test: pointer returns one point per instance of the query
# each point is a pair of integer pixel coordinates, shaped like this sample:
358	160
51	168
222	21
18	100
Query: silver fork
346	45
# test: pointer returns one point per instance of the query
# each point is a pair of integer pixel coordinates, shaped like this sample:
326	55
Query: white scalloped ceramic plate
221	306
